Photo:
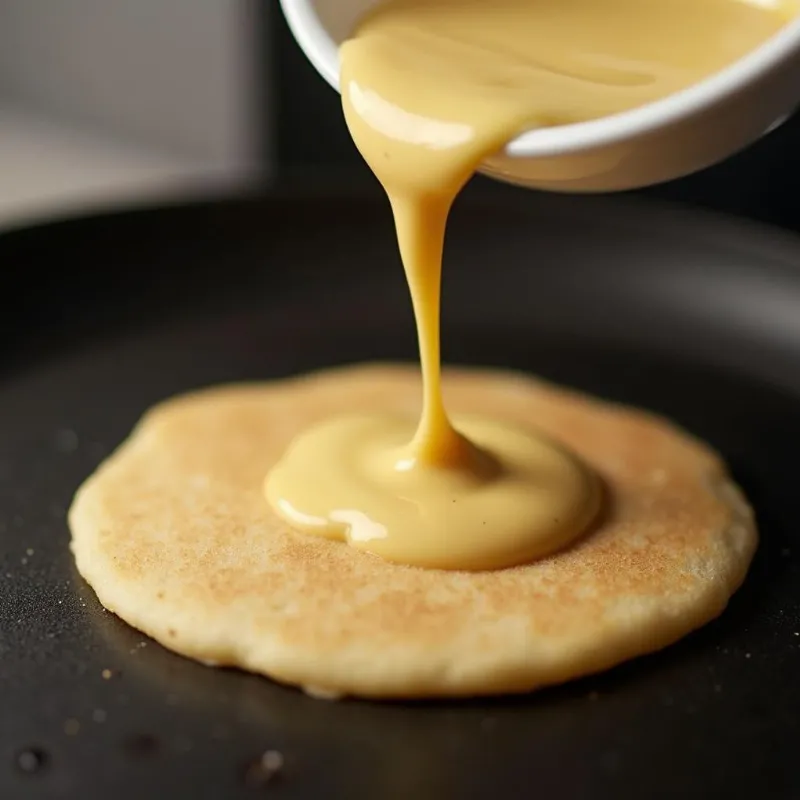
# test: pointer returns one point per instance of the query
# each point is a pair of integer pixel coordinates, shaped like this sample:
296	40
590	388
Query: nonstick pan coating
687	315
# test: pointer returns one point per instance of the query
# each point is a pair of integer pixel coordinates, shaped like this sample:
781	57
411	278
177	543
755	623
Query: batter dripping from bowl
430	88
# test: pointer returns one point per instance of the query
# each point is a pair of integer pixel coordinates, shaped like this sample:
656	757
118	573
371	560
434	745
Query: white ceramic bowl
657	142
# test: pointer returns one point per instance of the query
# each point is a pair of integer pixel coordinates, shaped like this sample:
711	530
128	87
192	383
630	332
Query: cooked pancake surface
174	534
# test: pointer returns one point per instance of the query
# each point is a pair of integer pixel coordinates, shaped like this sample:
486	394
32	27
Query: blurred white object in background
118	101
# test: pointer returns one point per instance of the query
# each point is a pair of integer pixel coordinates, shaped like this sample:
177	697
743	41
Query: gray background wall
178	75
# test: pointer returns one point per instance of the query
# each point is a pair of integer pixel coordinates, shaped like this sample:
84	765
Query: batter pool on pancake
430	88
355	479
174	534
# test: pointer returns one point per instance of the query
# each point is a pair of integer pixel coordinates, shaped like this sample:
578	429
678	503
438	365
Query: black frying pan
687	315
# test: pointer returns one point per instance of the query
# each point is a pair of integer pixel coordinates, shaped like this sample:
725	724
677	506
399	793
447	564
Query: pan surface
688	315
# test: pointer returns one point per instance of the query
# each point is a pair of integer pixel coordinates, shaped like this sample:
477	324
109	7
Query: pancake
176	537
